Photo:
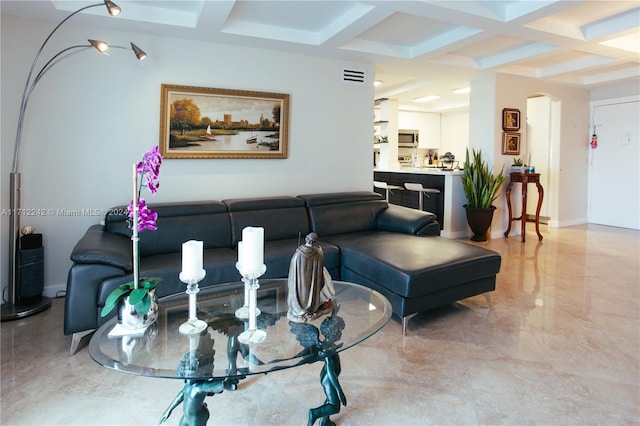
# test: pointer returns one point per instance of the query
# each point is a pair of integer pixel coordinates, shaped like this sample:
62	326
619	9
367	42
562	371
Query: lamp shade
101	46
140	54
114	9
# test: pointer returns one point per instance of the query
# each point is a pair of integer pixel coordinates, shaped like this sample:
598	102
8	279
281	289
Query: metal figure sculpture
200	363
314	348
310	288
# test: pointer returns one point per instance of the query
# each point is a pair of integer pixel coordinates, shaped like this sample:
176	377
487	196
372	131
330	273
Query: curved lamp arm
100	46
12	309
29	85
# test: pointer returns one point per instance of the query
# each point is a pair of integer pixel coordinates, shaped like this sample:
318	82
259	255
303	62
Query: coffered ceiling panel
419	48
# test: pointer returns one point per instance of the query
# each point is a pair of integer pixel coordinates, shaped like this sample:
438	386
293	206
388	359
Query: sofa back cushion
281	217
206	221
343	212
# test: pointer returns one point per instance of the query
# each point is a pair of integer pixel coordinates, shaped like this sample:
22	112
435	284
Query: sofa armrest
407	221
100	246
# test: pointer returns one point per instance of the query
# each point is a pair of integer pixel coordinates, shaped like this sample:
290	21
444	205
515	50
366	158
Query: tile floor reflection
561	345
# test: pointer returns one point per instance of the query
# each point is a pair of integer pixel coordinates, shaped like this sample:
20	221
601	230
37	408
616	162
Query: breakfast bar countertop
419	170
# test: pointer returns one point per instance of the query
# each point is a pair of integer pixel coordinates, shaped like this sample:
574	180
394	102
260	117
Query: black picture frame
510	119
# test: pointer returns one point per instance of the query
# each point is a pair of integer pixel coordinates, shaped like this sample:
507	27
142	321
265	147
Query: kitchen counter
420	170
447	205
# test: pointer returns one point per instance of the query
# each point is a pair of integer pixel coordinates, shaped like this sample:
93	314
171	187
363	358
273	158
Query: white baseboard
565	223
54	291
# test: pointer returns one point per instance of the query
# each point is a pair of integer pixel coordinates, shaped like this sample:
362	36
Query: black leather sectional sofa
394	250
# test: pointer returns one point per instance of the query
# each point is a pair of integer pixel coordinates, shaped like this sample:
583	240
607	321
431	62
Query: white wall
569	159
455	133
93	116
427	123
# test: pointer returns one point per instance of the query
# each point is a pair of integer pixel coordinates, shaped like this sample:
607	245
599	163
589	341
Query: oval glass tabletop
163	351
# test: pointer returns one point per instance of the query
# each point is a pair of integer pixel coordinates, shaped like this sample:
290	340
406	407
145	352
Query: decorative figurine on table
310	288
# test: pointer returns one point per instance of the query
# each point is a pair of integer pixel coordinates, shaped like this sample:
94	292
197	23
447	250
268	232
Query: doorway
542	138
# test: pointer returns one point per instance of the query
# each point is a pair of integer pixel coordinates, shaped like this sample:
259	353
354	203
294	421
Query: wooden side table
524	179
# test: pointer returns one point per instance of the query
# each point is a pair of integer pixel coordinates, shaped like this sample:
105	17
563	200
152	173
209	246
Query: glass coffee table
215	359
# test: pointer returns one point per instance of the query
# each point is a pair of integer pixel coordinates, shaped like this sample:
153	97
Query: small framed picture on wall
511	143
510	119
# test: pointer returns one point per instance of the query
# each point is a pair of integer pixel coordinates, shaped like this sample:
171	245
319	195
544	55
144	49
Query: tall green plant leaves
479	184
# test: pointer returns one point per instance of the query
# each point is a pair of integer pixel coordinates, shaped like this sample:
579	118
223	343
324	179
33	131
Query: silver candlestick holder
252	334
193	325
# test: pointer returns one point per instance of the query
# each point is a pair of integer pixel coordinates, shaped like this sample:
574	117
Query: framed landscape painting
201	122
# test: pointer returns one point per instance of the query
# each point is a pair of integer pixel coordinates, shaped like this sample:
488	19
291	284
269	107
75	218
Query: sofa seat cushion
413	266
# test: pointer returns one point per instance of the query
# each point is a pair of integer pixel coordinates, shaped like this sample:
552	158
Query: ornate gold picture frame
202	122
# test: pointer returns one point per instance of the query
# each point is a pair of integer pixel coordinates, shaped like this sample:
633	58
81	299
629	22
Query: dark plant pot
479	221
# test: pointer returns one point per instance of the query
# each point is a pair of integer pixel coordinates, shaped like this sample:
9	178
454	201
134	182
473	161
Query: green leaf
112	300
478	182
150	283
127	287
137	295
143	305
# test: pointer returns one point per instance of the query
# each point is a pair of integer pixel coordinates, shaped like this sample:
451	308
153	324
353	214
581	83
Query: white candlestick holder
193	324
252	334
243	311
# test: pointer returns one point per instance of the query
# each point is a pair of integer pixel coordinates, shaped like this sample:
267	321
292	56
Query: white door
614	190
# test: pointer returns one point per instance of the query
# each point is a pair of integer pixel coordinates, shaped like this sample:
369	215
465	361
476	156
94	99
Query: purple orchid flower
146	217
149	170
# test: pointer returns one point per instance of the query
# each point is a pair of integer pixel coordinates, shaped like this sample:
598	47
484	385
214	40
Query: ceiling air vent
353	76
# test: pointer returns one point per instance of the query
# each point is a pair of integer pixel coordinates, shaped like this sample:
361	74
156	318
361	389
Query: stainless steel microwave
407	138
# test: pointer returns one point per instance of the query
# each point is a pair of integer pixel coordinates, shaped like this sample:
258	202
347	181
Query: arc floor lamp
14	308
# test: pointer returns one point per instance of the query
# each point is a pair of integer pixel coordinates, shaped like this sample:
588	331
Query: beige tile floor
560	346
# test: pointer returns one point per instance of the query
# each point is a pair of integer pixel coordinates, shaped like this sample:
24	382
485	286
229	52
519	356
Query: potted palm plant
481	189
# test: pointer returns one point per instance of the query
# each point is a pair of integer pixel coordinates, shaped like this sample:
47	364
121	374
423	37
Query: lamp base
13	312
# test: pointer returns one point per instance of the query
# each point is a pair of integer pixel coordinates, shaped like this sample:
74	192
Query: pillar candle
240	253
192	259
252	248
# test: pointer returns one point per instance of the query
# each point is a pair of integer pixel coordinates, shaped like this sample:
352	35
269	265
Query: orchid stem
134	235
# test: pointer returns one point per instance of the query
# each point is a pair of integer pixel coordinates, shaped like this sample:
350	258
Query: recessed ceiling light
462	90
377	82
427	98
